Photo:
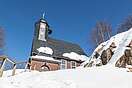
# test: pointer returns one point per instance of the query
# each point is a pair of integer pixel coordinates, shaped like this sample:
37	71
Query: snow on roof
46	50
45	58
75	56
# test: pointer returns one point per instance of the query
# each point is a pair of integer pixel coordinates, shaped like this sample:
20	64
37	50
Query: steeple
42	19
43	15
42	29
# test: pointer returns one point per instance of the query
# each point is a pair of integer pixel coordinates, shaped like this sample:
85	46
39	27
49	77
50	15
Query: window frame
63	65
42	33
73	66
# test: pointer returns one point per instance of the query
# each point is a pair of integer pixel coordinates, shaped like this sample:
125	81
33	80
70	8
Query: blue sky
70	20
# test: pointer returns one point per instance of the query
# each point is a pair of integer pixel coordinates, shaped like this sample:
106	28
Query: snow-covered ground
95	77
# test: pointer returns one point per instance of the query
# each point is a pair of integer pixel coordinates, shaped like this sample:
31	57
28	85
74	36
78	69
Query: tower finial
43	15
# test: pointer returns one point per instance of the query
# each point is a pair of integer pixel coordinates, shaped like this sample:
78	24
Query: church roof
59	47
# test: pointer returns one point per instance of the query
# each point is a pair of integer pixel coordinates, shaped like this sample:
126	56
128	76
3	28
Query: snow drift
101	77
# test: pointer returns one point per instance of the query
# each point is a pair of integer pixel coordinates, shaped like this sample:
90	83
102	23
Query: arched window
44	67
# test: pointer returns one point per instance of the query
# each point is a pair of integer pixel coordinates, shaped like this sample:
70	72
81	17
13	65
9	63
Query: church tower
40	35
41	30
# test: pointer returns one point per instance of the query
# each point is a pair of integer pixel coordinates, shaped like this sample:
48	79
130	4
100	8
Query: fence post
1	72
2	66
14	70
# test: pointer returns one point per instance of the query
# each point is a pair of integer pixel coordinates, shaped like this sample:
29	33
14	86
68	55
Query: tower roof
42	20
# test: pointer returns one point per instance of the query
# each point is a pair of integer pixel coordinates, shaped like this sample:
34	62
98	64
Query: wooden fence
4	59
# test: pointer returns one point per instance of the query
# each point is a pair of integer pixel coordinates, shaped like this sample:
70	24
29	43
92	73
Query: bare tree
125	25
100	33
94	37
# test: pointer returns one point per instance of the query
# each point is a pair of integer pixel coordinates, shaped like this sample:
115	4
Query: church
49	54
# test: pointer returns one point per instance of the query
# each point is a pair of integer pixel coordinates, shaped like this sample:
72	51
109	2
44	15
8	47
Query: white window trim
72	67
63	64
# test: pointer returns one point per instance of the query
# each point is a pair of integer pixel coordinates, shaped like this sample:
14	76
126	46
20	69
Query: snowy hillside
117	51
101	77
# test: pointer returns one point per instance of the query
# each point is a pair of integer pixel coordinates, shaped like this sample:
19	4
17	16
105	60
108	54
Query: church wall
78	64
68	64
37	65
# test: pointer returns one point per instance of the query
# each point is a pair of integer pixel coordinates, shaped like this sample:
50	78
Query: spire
43	15
42	19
